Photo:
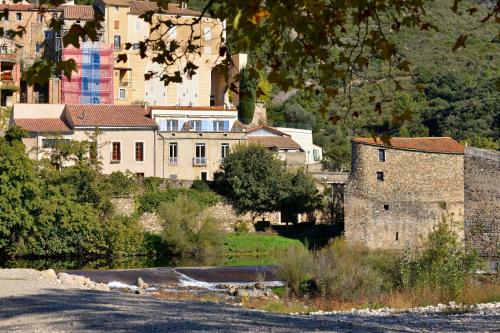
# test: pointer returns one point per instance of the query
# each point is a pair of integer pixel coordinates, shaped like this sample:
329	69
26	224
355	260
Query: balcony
125	84
198	161
6	76
172	161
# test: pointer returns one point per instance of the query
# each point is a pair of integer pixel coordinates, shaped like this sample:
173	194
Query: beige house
289	151
126	139
124	25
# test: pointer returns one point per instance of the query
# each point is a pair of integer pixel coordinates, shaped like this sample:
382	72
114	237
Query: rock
140	291
242	293
268	293
232	290
49	273
260	285
101	287
141	283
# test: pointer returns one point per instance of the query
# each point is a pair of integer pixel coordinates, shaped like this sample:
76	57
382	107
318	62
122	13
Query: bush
349	272
442	263
200	185
241	227
121	183
152	184
150	201
294	268
123	236
186	233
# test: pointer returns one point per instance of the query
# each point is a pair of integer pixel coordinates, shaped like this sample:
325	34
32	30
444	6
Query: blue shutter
226	125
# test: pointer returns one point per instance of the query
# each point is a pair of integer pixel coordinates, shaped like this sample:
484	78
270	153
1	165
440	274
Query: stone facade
482	201
418	189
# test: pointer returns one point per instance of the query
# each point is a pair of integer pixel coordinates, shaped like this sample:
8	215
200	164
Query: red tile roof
140	7
267	128
280	142
435	145
78	12
90	115
43	125
28	7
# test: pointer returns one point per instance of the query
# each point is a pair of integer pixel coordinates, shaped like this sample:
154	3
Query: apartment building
123	25
193	141
37	41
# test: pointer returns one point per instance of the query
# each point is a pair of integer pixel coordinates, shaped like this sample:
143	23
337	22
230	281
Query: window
138	25
172	125
135	46
381	155
85	84
19	16
220	126
204	176
139	151
39	18
117	24
397	235
224	150
200	158
172	153
122	93
207	33
316	155
380	176
117	42
386	207
51	143
117	9
140	175
47	35
116	153
38	47
195	125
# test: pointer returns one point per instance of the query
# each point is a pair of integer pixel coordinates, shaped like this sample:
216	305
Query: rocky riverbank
43	301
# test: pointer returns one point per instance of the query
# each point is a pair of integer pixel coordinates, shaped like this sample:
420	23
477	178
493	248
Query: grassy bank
257	244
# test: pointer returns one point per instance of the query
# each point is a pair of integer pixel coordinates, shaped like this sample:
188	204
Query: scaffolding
93	82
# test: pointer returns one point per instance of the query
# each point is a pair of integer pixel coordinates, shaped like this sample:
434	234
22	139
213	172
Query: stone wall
418	190
123	206
482	201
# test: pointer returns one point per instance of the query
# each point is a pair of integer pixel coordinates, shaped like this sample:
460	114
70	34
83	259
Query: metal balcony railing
172	160
199	161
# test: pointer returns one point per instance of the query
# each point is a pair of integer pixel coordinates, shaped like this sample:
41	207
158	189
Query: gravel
31	301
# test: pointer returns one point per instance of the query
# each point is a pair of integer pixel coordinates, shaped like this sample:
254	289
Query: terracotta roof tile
123	3
28	7
78	12
280	142
109	115
43	125
140	7
267	128
433	144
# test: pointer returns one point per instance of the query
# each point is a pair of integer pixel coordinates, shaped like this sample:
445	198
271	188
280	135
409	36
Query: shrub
186	233
241	227
150	201
121	184
294	268
152	184
441	263
345	271
123	236
200	185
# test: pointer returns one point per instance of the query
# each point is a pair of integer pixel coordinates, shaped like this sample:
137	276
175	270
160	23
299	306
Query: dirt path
31	304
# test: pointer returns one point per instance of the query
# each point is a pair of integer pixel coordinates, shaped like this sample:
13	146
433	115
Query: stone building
482	201
395	194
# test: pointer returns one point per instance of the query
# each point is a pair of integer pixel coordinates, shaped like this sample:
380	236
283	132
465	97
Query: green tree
19	194
248	88
255	181
337	158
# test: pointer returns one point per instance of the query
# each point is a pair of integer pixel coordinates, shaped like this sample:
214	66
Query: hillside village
177	135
